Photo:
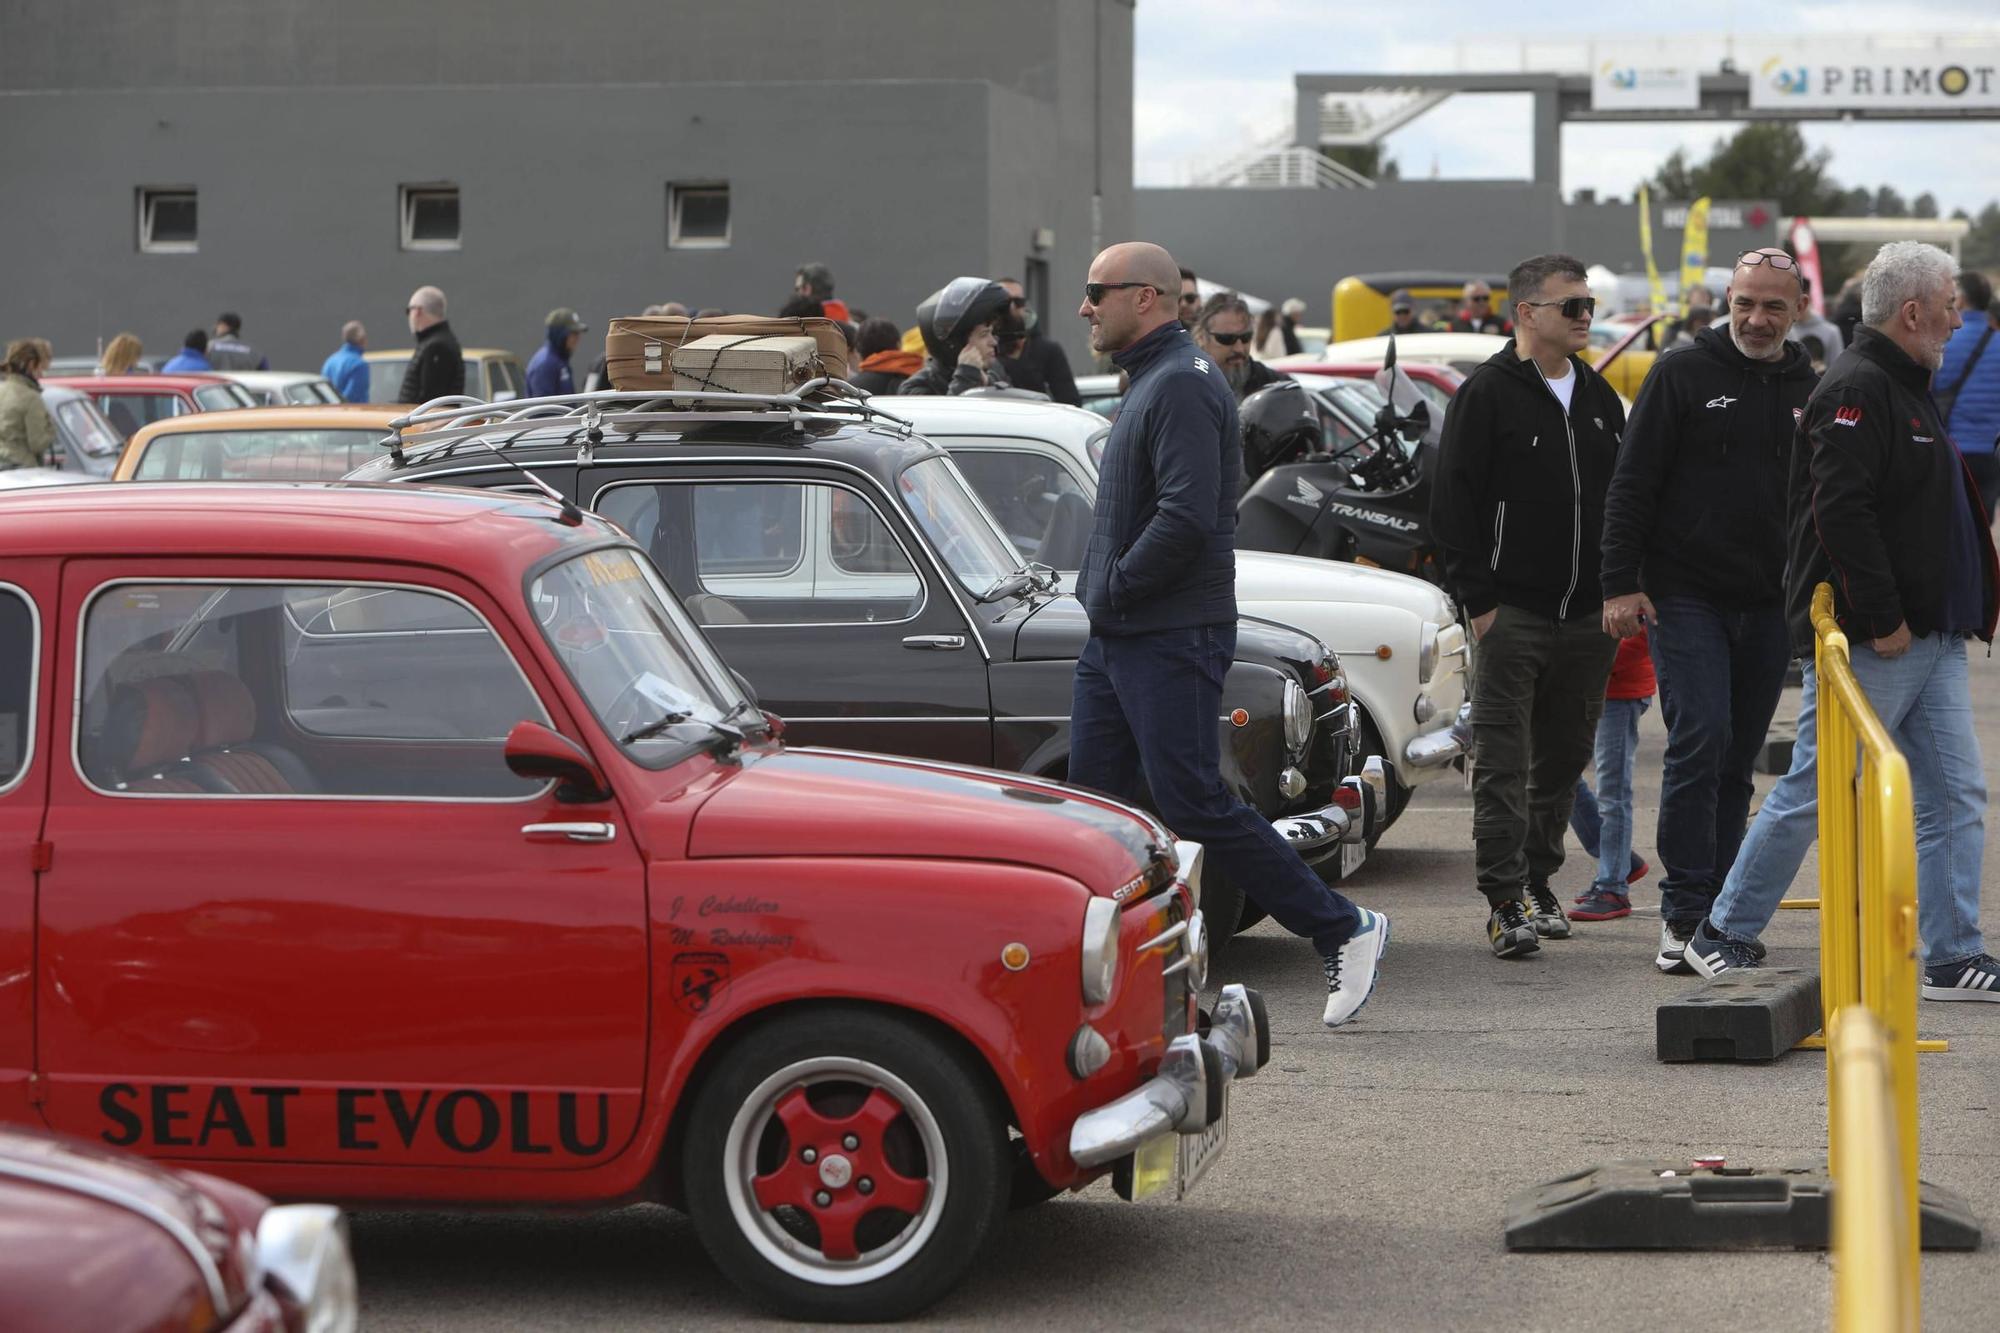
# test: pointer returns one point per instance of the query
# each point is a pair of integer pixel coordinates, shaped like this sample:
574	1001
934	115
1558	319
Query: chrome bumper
1318	832
1435	749
1186	1094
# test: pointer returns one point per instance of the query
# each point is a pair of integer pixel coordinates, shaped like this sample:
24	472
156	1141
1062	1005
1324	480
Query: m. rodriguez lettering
463	1121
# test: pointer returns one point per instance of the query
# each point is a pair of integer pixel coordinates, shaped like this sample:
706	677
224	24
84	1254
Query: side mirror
1417	424
534	751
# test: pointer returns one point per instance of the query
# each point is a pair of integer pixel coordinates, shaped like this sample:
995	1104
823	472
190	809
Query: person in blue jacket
346	368
1159	586
548	371
1967	385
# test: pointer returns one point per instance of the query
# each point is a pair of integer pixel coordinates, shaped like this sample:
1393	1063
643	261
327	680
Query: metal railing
1868	989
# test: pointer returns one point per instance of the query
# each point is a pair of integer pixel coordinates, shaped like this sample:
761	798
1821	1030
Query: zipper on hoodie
1575	487
1499	532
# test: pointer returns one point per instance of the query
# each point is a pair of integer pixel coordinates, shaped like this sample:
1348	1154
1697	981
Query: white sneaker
1352	969
1672	958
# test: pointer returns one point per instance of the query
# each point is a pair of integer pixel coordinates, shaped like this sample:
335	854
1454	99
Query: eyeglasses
1751	258
1019	301
1093	292
1575	307
1478	298
1229	339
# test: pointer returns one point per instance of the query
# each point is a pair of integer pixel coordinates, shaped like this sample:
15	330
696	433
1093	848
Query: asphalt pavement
1368	1169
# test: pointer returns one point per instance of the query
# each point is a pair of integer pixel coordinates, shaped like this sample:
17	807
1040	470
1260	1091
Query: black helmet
1279	426
947	317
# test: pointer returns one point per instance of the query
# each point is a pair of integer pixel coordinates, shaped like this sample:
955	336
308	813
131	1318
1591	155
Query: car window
223	397
87	426
309	689
129	411
503	380
770	552
1042	507
256	455
958	526
20	655
636	662
385	378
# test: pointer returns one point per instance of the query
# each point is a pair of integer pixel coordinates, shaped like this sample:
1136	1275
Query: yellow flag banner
1658	289
1694	249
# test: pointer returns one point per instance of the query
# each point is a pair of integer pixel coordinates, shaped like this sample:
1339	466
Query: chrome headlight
303	1249
1100	949
1427	652
1298	717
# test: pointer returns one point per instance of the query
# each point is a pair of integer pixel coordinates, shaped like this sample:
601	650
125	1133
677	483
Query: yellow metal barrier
1871	1292
1868	926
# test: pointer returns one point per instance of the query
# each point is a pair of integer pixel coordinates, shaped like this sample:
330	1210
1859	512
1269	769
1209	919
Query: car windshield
256	455
957	526
223	397
634	656
385	378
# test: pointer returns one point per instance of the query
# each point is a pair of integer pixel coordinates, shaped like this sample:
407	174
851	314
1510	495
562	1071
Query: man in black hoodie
1517	506
1694	554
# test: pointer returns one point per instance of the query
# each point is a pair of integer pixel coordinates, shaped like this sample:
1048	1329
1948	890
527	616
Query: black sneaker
1710	954
1510	932
1672	958
1974	979
1550	921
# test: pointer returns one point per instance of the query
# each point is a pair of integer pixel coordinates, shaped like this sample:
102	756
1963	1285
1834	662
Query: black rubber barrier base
1752	1015
1635	1205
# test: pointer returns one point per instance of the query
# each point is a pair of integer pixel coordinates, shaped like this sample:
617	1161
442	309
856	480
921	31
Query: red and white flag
1806	250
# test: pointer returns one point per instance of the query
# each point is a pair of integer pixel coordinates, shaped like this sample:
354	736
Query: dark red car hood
811	802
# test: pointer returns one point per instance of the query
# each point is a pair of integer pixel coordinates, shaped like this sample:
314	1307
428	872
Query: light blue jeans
1602	820
1924	699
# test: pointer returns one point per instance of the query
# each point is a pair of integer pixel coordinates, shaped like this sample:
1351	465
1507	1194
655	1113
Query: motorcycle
1367	501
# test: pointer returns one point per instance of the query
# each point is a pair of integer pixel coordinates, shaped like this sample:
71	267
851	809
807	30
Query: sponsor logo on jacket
1847	416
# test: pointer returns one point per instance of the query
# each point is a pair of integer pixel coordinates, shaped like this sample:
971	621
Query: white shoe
1352	970
1672	958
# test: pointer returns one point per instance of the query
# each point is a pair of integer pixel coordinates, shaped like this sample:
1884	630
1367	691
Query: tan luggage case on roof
639	349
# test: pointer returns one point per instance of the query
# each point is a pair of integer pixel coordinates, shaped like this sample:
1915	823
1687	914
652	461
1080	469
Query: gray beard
1238	376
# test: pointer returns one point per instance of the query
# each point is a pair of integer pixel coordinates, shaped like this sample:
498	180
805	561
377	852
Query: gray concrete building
306	163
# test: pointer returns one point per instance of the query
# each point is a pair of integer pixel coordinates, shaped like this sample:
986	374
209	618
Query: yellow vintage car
1361	302
490	374
319	443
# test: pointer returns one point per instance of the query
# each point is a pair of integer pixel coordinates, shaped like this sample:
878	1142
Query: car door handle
577	832
935	642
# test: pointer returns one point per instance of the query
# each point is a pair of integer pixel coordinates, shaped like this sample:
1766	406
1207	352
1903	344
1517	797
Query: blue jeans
1720	674
1924	699
1145	707
1603	822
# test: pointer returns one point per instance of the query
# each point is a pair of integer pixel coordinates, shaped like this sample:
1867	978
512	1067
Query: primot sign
1962	79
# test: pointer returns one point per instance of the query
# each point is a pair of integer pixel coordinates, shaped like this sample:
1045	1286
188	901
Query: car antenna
569	515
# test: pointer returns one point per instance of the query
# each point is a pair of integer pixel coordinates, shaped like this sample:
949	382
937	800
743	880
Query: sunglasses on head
1093	292
1229	339
1575	307
1751	258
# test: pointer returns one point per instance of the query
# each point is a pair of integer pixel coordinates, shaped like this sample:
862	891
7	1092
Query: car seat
226	757
148	733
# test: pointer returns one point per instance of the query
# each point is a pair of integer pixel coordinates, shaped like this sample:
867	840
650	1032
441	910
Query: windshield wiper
725	740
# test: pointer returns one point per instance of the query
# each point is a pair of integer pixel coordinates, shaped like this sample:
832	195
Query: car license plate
1352	854
1199	1151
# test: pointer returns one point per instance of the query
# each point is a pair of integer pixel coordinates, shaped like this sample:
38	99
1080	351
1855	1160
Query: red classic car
132	401
103	1240
381	843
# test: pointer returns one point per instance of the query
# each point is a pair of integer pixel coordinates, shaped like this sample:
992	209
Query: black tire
832	1070
1396	796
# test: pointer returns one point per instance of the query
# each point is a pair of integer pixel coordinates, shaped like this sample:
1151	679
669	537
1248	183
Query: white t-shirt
1563	387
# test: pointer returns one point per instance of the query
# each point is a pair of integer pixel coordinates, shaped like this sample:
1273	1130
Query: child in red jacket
1603	823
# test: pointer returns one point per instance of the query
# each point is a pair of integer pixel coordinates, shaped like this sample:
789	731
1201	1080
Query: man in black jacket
1030	358
1517	506
437	367
1883	510
1222	331
1159	585
1694	556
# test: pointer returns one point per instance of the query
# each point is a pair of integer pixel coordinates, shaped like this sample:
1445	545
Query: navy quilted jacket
1162	549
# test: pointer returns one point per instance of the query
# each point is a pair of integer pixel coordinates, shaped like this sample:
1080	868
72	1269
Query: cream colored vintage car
1034	464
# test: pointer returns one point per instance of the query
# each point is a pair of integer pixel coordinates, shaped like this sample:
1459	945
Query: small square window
430	217
697	215
167	220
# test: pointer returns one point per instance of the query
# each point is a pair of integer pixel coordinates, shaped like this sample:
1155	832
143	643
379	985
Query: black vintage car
840	563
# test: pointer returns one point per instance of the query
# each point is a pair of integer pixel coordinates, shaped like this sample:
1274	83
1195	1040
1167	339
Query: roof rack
458	417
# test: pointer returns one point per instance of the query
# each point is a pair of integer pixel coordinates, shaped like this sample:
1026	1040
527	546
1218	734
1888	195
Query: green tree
1982	245
1924	205
1368	159
1763	160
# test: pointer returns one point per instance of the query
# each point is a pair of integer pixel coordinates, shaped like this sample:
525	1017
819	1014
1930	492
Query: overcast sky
1215	76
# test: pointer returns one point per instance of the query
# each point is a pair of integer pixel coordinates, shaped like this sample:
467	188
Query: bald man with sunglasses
1159	585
